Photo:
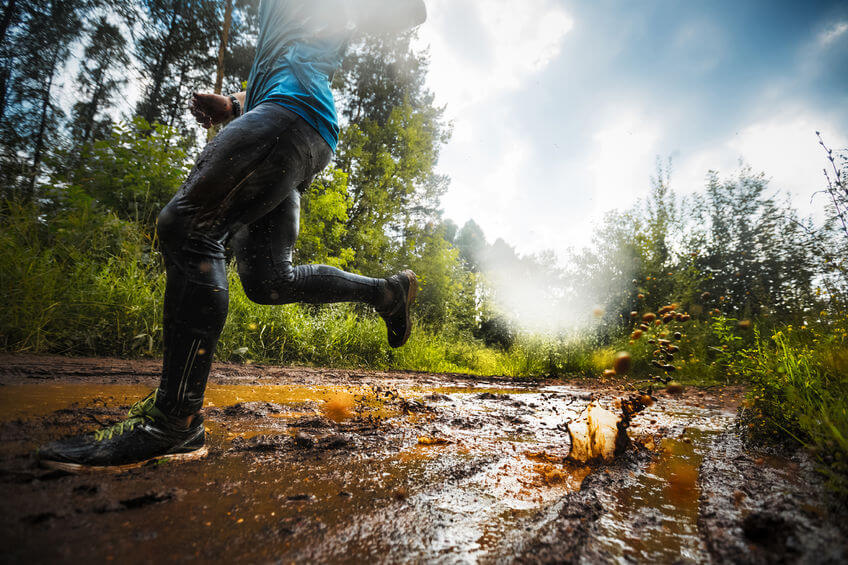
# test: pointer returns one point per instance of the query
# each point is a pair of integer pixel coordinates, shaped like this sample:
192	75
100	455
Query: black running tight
245	188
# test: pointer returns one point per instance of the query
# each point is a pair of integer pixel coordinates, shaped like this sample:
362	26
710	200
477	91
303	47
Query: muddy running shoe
146	436
398	325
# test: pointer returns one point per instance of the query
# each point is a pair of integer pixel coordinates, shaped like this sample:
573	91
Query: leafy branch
836	188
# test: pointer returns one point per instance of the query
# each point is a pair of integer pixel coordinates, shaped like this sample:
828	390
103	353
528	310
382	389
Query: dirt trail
353	466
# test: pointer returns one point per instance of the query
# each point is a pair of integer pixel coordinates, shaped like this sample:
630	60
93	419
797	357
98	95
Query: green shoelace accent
140	411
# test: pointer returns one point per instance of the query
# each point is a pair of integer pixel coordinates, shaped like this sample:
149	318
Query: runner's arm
388	16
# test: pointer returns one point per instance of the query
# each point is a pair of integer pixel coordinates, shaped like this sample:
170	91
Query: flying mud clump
601	435
663	328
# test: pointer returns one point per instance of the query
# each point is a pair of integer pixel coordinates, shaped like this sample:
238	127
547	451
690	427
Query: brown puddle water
382	494
653	516
19	401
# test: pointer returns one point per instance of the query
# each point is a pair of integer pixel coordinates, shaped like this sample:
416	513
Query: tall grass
86	283
81	284
799	394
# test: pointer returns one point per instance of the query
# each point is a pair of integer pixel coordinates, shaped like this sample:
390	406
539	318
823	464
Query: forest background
759	293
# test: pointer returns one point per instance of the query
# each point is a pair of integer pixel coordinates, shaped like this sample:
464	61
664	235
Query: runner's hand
210	109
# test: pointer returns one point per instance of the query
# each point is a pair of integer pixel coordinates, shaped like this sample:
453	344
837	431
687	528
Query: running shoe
398	325
147	436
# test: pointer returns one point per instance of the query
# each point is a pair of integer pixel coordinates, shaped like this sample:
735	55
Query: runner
245	190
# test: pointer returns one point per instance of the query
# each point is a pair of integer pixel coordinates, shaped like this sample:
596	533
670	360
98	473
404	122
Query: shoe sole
76	468
410	298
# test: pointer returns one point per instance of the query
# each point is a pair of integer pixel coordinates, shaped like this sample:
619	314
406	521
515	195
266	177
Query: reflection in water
653	517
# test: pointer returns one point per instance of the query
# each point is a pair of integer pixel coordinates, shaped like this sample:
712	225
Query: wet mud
315	465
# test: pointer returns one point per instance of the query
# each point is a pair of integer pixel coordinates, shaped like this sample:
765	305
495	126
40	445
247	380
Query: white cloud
483	48
622	160
489	193
701	44
482	51
546	140
784	147
832	33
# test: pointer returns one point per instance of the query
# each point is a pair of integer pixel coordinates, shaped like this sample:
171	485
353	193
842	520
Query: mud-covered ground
316	465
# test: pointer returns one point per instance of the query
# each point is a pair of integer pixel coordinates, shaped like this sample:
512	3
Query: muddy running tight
245	188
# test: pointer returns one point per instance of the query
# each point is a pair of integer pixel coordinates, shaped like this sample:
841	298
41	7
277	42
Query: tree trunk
175	108
42	127
159	71
222	49
5	74
225	34
92	106
8	14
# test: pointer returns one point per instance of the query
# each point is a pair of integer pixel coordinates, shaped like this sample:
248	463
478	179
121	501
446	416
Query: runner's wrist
235	106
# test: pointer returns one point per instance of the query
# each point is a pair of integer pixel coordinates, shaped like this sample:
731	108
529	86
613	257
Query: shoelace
139	412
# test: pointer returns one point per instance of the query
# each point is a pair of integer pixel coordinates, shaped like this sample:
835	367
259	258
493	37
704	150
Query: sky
561	109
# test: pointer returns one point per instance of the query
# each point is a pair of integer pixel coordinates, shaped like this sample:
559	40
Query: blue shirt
301	44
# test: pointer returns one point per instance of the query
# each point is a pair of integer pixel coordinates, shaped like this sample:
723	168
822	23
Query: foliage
389	148
753	252
799	392
174	52
98	83
323	225
80	273
36	45
837	186
133	172
241	44
79	281
86	283
446	296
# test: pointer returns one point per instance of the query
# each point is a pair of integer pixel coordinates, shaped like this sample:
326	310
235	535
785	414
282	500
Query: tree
389	147
97	83
323	224
602	276
471	243
236	50
133	172
241	45
6	53
222	48
754	255
175	54
447	297
42	32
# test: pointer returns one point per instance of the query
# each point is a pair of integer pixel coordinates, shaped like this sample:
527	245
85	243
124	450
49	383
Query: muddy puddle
390	468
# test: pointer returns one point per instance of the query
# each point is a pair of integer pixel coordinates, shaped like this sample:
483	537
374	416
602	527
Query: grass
799	393
85	283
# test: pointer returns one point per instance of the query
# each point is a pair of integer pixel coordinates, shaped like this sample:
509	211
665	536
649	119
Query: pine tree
97	82
175	52
389	148
241	45
6	53
239	28
755	256
42	32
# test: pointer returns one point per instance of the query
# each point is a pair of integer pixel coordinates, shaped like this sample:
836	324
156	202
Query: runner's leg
264	252
245	172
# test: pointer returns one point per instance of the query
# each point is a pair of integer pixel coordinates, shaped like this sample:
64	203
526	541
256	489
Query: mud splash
372	468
